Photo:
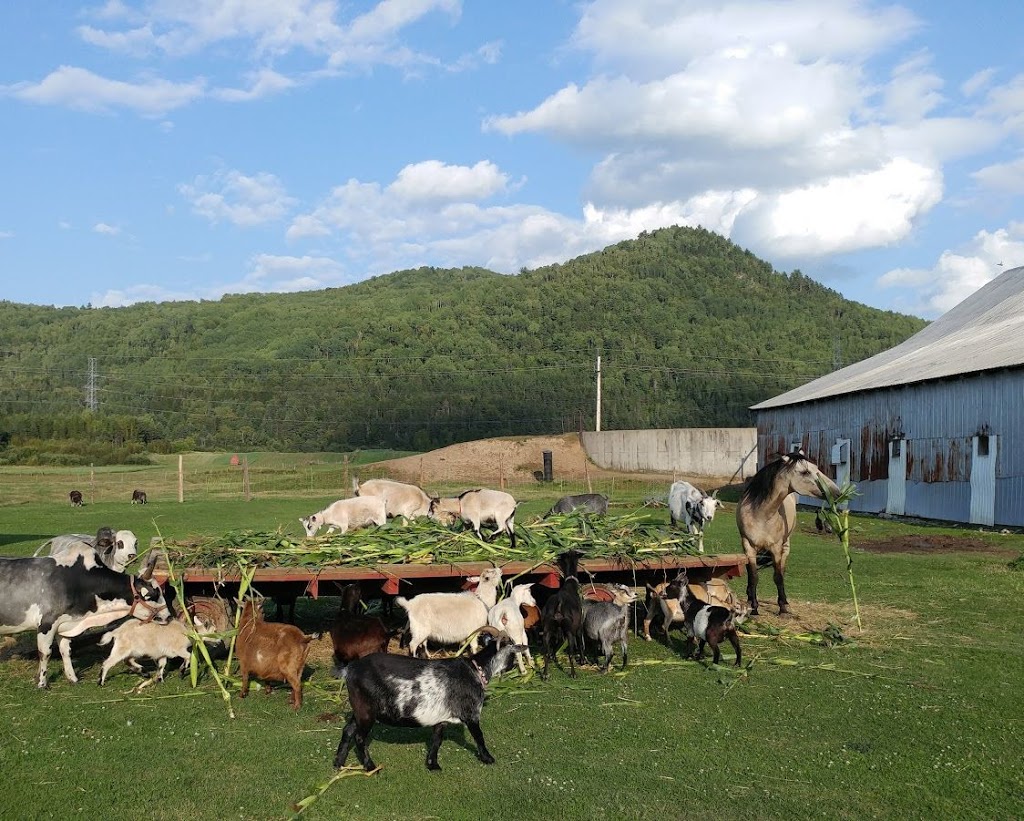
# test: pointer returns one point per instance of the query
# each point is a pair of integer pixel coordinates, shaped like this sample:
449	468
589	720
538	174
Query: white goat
135	639
505	615
451	618
400	499
347	514
477	507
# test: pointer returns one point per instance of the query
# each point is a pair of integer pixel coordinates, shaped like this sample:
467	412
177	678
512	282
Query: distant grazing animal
76	498
562	616
766	515
691	508
410	692
60	602
480	507
138	497
400	499
347	514
114	550
587	502
272	652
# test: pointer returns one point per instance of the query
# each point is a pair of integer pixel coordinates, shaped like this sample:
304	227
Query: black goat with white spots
412	692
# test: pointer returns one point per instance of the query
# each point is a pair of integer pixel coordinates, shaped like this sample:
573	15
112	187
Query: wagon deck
411	578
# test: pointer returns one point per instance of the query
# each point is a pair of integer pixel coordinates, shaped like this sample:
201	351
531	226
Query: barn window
983	446
897	448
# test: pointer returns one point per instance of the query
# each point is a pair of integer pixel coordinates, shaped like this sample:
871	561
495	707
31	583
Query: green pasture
919	716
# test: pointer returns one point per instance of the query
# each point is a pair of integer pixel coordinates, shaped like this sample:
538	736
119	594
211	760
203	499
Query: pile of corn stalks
630	538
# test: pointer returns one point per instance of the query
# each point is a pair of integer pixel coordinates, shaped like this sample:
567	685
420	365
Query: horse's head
805	477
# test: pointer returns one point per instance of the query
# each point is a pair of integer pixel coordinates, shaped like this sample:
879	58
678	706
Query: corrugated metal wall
937	420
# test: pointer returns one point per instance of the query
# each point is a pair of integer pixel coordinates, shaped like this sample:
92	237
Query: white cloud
234	197
958	274
83	90
6	234
977	81
266	273
262	83
432	214
104	228
272	27
434	181
842	214
777	108
1007	177
652	36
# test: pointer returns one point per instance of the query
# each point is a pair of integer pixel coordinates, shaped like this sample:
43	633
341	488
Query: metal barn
933	427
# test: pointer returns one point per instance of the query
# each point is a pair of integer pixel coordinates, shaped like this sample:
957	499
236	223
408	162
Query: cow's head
120	551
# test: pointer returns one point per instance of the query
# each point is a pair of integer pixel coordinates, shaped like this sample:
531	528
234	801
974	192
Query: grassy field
919	716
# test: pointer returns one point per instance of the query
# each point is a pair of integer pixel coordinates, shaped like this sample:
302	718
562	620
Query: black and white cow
61	602
692	508
115	550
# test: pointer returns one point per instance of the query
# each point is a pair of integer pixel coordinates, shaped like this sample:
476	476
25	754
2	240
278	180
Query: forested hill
691	331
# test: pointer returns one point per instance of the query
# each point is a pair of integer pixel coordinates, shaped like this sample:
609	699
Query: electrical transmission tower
90	387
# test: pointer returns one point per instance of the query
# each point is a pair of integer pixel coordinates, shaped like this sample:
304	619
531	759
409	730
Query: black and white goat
412	692
708	624
607	622
562	616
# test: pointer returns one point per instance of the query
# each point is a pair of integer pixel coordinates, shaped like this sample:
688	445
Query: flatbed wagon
412	578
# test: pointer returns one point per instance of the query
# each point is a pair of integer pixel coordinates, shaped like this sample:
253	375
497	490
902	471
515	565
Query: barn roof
983	332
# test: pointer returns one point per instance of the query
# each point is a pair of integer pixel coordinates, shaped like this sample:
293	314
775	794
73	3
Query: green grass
920	717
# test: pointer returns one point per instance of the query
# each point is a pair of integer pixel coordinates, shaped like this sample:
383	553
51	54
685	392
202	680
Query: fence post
92	483
245	478
181	478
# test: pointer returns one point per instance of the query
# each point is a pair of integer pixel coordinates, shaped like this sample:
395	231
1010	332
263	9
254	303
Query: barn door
896	501
983	480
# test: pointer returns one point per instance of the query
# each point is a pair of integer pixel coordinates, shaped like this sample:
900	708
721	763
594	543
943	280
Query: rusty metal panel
937	420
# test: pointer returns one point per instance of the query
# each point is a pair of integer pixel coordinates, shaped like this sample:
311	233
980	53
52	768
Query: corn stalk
629	538
198	644
835	511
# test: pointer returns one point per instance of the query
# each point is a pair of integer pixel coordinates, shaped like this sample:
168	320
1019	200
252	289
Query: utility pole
598	414
90	387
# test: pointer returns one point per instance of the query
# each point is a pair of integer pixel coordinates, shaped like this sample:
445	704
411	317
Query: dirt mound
517	459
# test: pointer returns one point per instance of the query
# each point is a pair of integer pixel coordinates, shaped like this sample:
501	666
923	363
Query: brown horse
766	515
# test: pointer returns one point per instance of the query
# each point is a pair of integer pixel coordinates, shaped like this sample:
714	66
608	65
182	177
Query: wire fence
20	485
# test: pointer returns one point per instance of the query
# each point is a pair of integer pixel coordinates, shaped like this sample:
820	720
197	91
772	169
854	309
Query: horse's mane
762	483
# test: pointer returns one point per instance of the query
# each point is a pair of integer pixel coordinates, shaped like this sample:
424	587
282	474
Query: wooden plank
728	565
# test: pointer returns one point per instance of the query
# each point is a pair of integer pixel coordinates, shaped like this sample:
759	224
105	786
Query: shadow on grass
15	538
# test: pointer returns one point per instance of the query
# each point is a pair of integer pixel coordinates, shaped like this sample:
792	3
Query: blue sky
184	149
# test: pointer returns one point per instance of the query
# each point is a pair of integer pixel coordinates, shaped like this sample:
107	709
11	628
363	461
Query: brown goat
531	615
353	634
275	652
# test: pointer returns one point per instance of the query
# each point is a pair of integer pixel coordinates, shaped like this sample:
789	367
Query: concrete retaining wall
717	452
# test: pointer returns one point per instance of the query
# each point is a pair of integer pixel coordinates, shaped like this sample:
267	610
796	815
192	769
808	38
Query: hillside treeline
691	330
